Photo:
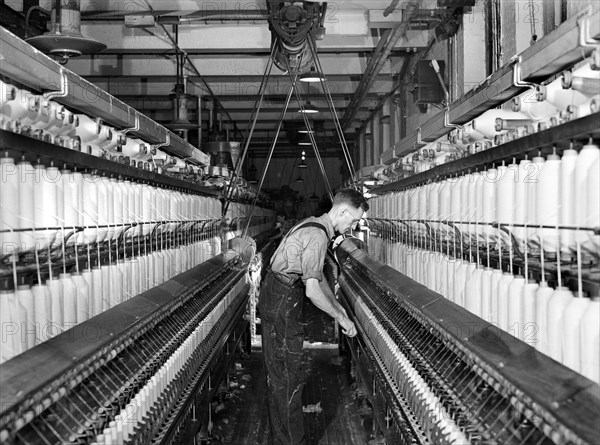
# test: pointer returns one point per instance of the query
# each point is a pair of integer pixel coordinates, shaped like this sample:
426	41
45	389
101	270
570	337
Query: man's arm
322	297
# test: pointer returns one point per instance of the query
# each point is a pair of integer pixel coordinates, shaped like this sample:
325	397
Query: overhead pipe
381	54
233	15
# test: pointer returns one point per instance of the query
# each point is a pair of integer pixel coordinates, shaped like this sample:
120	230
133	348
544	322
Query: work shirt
302	252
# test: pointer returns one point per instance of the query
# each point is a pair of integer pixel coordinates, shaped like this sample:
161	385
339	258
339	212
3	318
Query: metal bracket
517	80
419	140
164	144
64	87
136	126
447	122
585	39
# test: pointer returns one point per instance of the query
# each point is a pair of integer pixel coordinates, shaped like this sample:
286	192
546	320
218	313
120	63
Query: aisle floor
242	419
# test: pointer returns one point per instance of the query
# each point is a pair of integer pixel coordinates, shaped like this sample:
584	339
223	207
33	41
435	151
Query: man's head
349	207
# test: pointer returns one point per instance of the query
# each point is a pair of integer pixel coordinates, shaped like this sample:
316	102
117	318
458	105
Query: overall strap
299	226
308	224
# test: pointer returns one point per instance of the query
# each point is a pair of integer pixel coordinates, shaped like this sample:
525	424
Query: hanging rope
270	155
253	119
333	111
532	21
308	127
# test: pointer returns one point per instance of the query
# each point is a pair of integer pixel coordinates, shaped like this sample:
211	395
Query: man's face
349	218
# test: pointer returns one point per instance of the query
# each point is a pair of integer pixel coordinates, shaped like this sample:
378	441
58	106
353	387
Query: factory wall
490	36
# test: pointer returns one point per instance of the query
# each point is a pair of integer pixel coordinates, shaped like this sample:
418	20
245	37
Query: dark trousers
282	336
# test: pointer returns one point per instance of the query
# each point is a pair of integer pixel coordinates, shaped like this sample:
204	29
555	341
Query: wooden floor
241	419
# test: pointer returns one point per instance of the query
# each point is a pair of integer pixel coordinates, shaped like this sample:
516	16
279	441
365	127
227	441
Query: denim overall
280	305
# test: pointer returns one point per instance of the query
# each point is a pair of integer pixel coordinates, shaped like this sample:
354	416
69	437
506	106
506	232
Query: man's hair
352	197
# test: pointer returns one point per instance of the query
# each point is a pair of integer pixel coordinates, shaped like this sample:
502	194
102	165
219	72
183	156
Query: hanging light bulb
300	180
312	76
302	164
306	130
308	108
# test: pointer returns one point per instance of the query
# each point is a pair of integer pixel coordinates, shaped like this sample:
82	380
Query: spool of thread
568	198
560	98
470	134
449	278
178	261
557	304
90	209
548	202
143	273
168	263
120	286
137	207
9	327
108	286
514	310
486	294
588	158
149	277
42	303
460	280
57	117
9	206
109	217
83	297
133	278
503	297
101	281
42	119
88	131
571	353
88	276
593	208
494	299
18	321
535	110
486	123
589	341
134	149
26	174
56	294
158	268
102	213
129	205
473	294
590	106
488	202
146	209
543	296
72	201
528	314
108	140
475	210
45	192
23	108
521	204
118	206
26	324
69	300
536	166
456	200
505	198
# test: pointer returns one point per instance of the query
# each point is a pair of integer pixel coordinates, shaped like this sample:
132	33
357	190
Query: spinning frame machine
438	368
476	288
126	312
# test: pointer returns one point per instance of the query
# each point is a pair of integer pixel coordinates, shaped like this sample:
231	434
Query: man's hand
348	327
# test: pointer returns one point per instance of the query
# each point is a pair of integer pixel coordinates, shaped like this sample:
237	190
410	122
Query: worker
296	269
